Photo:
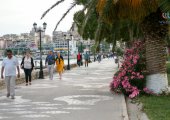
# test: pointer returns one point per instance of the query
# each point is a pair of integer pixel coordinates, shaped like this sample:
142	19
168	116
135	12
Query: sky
18	16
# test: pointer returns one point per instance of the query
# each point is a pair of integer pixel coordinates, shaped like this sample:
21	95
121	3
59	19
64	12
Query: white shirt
27	63
10	66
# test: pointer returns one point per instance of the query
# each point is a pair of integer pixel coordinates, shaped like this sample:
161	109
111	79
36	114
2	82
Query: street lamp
40	30
66	38
81	46
89	52
81	52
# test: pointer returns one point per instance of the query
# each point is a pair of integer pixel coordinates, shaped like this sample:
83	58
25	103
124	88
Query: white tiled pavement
82	94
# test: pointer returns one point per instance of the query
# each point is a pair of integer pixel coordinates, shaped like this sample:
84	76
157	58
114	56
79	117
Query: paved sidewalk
82	94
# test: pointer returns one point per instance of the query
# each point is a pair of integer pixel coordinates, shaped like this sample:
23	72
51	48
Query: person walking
86	57
79	59
27	64
59	65
99	58
50	62
9	64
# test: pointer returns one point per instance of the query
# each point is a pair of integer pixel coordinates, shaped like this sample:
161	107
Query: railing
38	67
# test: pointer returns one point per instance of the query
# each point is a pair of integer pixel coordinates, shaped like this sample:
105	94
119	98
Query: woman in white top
27	64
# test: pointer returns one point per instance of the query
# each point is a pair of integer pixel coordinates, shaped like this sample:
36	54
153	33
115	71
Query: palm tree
168	42
148	14
155	34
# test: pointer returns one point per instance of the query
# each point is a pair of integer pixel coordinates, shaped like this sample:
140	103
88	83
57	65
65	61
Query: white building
4	43
35	37
60	43
88	43
60	39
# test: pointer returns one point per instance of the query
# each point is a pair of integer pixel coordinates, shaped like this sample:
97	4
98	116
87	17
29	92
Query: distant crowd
11	67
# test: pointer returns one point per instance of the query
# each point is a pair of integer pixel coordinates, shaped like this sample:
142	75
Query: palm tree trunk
114	44
169	40
154	34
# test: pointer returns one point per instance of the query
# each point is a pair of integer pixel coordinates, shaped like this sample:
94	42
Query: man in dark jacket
50	62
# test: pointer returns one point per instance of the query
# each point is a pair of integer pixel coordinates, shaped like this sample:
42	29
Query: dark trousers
86	62
79	62
27	74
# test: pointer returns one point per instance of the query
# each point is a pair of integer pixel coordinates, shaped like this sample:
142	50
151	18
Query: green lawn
157	107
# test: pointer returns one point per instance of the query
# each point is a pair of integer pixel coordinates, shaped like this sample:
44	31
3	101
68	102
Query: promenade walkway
82	94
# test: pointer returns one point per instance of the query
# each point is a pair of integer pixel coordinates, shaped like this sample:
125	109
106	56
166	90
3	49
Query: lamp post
81	47
66	38
89	52
40	30
81	52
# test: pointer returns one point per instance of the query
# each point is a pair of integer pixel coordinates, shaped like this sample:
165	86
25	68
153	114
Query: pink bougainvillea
130	79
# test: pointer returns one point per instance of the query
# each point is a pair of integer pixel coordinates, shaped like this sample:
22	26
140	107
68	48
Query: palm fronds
58	2
110	12
98	34
90	11
126	9
76	2
165	5
81	2
78	19
100	6
64	15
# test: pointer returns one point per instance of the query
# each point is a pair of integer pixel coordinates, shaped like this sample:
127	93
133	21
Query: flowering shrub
130	79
